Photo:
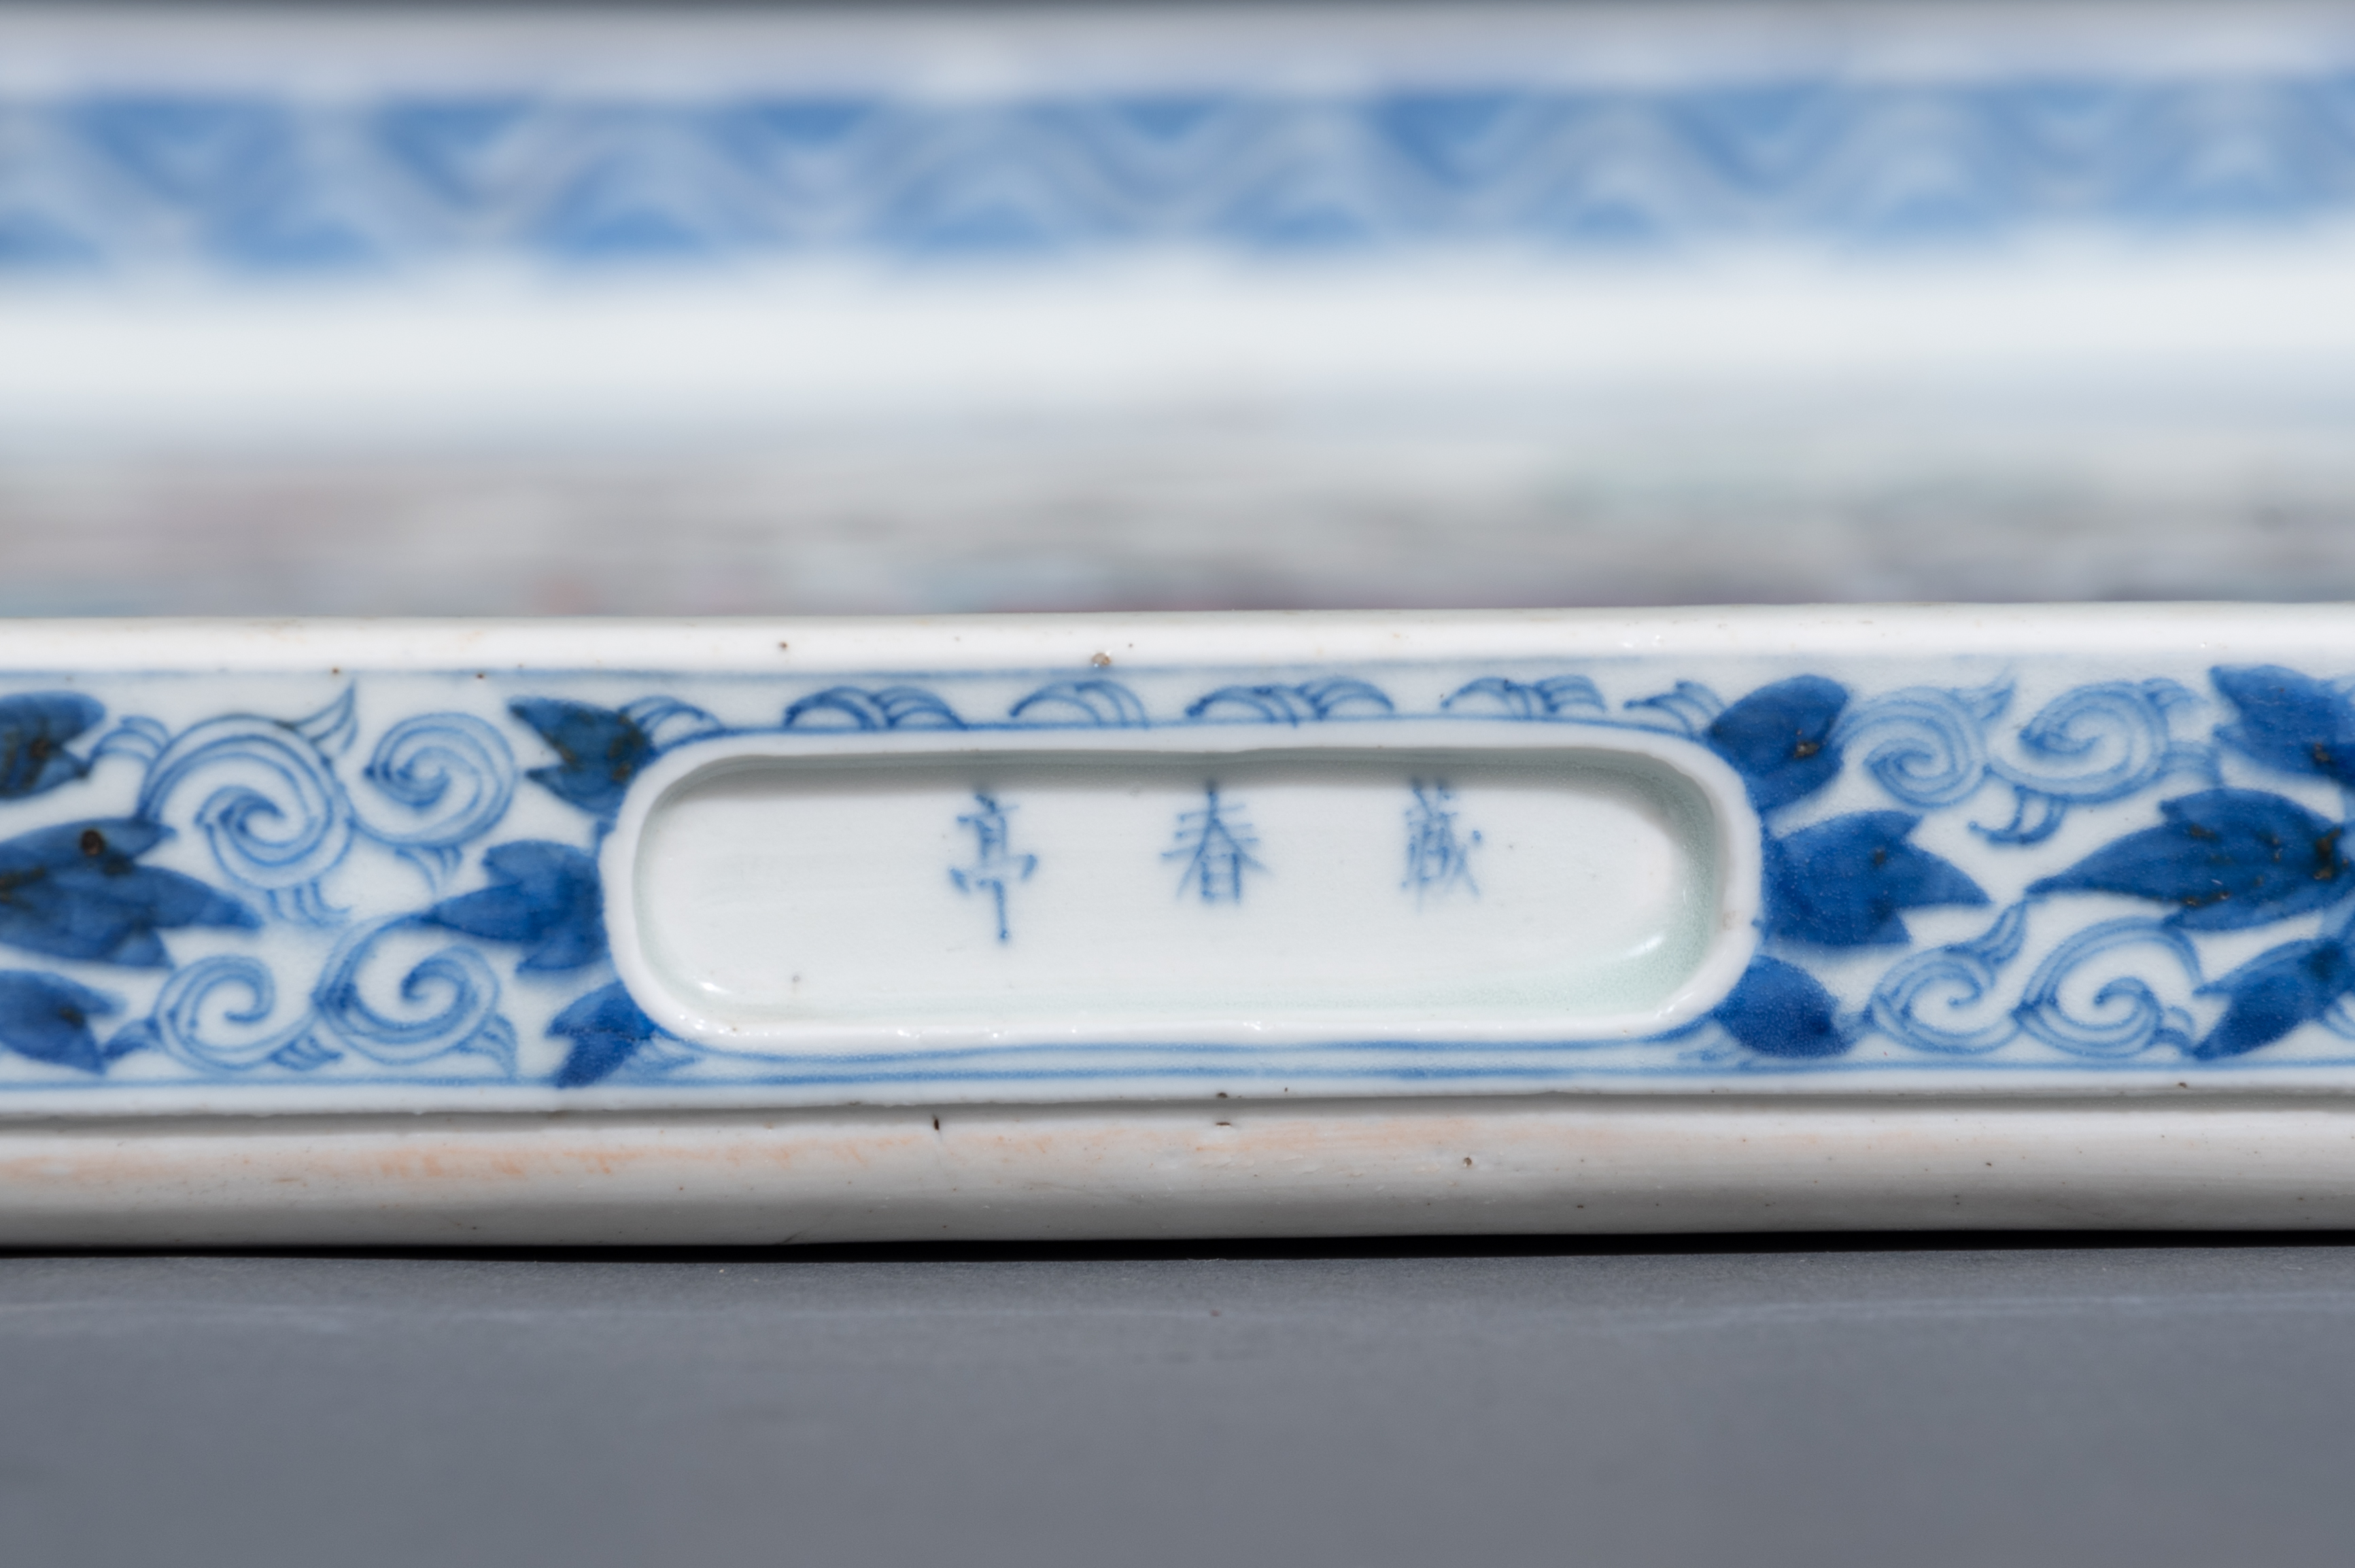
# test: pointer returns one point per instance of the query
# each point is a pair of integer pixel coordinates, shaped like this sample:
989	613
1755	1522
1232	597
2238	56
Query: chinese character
995	865
1436	860
1215	852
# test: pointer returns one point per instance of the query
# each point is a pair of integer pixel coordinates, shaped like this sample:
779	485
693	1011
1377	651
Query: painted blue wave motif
1689	708
1925	745
2078	1000
78	891
545	896
453	777
2099	743
1960	975
448	997
1931	747
1093	702
2126	1013
1557	696
888	707
269	182
277	816
270	810
177	1025
459	992
1336	695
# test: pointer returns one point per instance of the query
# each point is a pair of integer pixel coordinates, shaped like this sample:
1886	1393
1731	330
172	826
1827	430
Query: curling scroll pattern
2129	873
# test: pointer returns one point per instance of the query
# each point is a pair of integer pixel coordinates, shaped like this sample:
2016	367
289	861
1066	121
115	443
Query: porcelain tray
1065	926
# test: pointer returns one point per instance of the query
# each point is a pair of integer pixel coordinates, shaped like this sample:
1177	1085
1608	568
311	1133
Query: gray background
1817	1401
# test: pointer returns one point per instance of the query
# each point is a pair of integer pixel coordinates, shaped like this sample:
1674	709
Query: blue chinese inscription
1216	844
1438	855
995	866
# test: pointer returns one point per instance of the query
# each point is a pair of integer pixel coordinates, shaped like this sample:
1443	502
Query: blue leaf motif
1779	738
2274	992
1844	882
1780	1010
47	1018
544	896
606	1030
77	891
2289	721
599	752
34	729
2229	858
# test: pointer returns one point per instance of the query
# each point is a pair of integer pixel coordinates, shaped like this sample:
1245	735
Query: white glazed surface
824	902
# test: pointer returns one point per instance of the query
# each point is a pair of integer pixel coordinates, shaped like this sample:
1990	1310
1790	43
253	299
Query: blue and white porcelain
1087	925
352	866
374	228
220	139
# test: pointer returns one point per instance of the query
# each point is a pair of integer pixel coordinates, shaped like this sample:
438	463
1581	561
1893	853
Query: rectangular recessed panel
1346	889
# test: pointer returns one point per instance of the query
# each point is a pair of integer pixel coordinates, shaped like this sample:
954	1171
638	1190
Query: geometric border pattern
248	181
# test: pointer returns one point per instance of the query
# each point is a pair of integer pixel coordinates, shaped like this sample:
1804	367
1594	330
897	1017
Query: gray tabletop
1911	1400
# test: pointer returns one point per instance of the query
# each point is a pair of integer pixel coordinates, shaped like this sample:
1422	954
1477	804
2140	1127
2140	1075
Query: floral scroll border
279	803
